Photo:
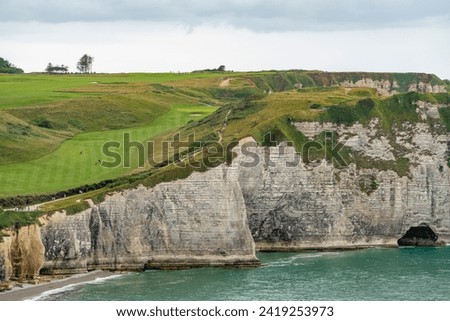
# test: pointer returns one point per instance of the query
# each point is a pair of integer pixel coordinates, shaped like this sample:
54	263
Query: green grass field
25	89
76	161
52	127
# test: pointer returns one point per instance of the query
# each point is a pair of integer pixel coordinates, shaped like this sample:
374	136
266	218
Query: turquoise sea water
373	274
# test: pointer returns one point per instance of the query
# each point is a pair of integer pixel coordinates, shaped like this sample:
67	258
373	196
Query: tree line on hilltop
8	68
84	65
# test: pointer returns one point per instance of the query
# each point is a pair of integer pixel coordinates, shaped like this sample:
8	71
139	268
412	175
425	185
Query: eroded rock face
383	87
21	253
365	139
426	88
429	110
318	206
386	88
199	221
2	268
5	261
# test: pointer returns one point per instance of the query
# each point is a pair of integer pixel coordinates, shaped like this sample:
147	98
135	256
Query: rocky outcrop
429	110
21	253
426	88
364	139
293	205
3	272
199	221
320	207
419	142
387	88
383	87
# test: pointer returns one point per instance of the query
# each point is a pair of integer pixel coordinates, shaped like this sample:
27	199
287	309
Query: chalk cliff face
427	88
194	222
386	88
319	206
199	221
383	87
21	253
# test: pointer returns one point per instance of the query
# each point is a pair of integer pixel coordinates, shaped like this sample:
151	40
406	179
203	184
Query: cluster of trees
84	65
221	68
56	69
8	68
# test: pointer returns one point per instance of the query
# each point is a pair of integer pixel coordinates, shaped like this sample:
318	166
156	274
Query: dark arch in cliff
422	235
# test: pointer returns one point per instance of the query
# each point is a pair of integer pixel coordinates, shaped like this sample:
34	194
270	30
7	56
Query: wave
313	255
46	294
296	259
107	278
317	254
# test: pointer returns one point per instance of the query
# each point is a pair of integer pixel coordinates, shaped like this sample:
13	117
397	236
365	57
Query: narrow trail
220	132
225	82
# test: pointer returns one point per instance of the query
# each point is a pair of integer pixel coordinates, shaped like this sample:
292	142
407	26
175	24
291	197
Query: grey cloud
256	15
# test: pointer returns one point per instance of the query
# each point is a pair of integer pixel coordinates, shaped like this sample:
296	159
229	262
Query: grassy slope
32	132
109	102
75	162
20	140
31	136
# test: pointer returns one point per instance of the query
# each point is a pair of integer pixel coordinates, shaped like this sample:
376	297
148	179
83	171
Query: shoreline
29	291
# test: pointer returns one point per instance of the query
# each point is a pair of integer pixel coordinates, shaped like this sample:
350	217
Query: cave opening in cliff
422	235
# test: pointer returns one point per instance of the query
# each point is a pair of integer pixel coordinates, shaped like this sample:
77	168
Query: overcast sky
170	35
